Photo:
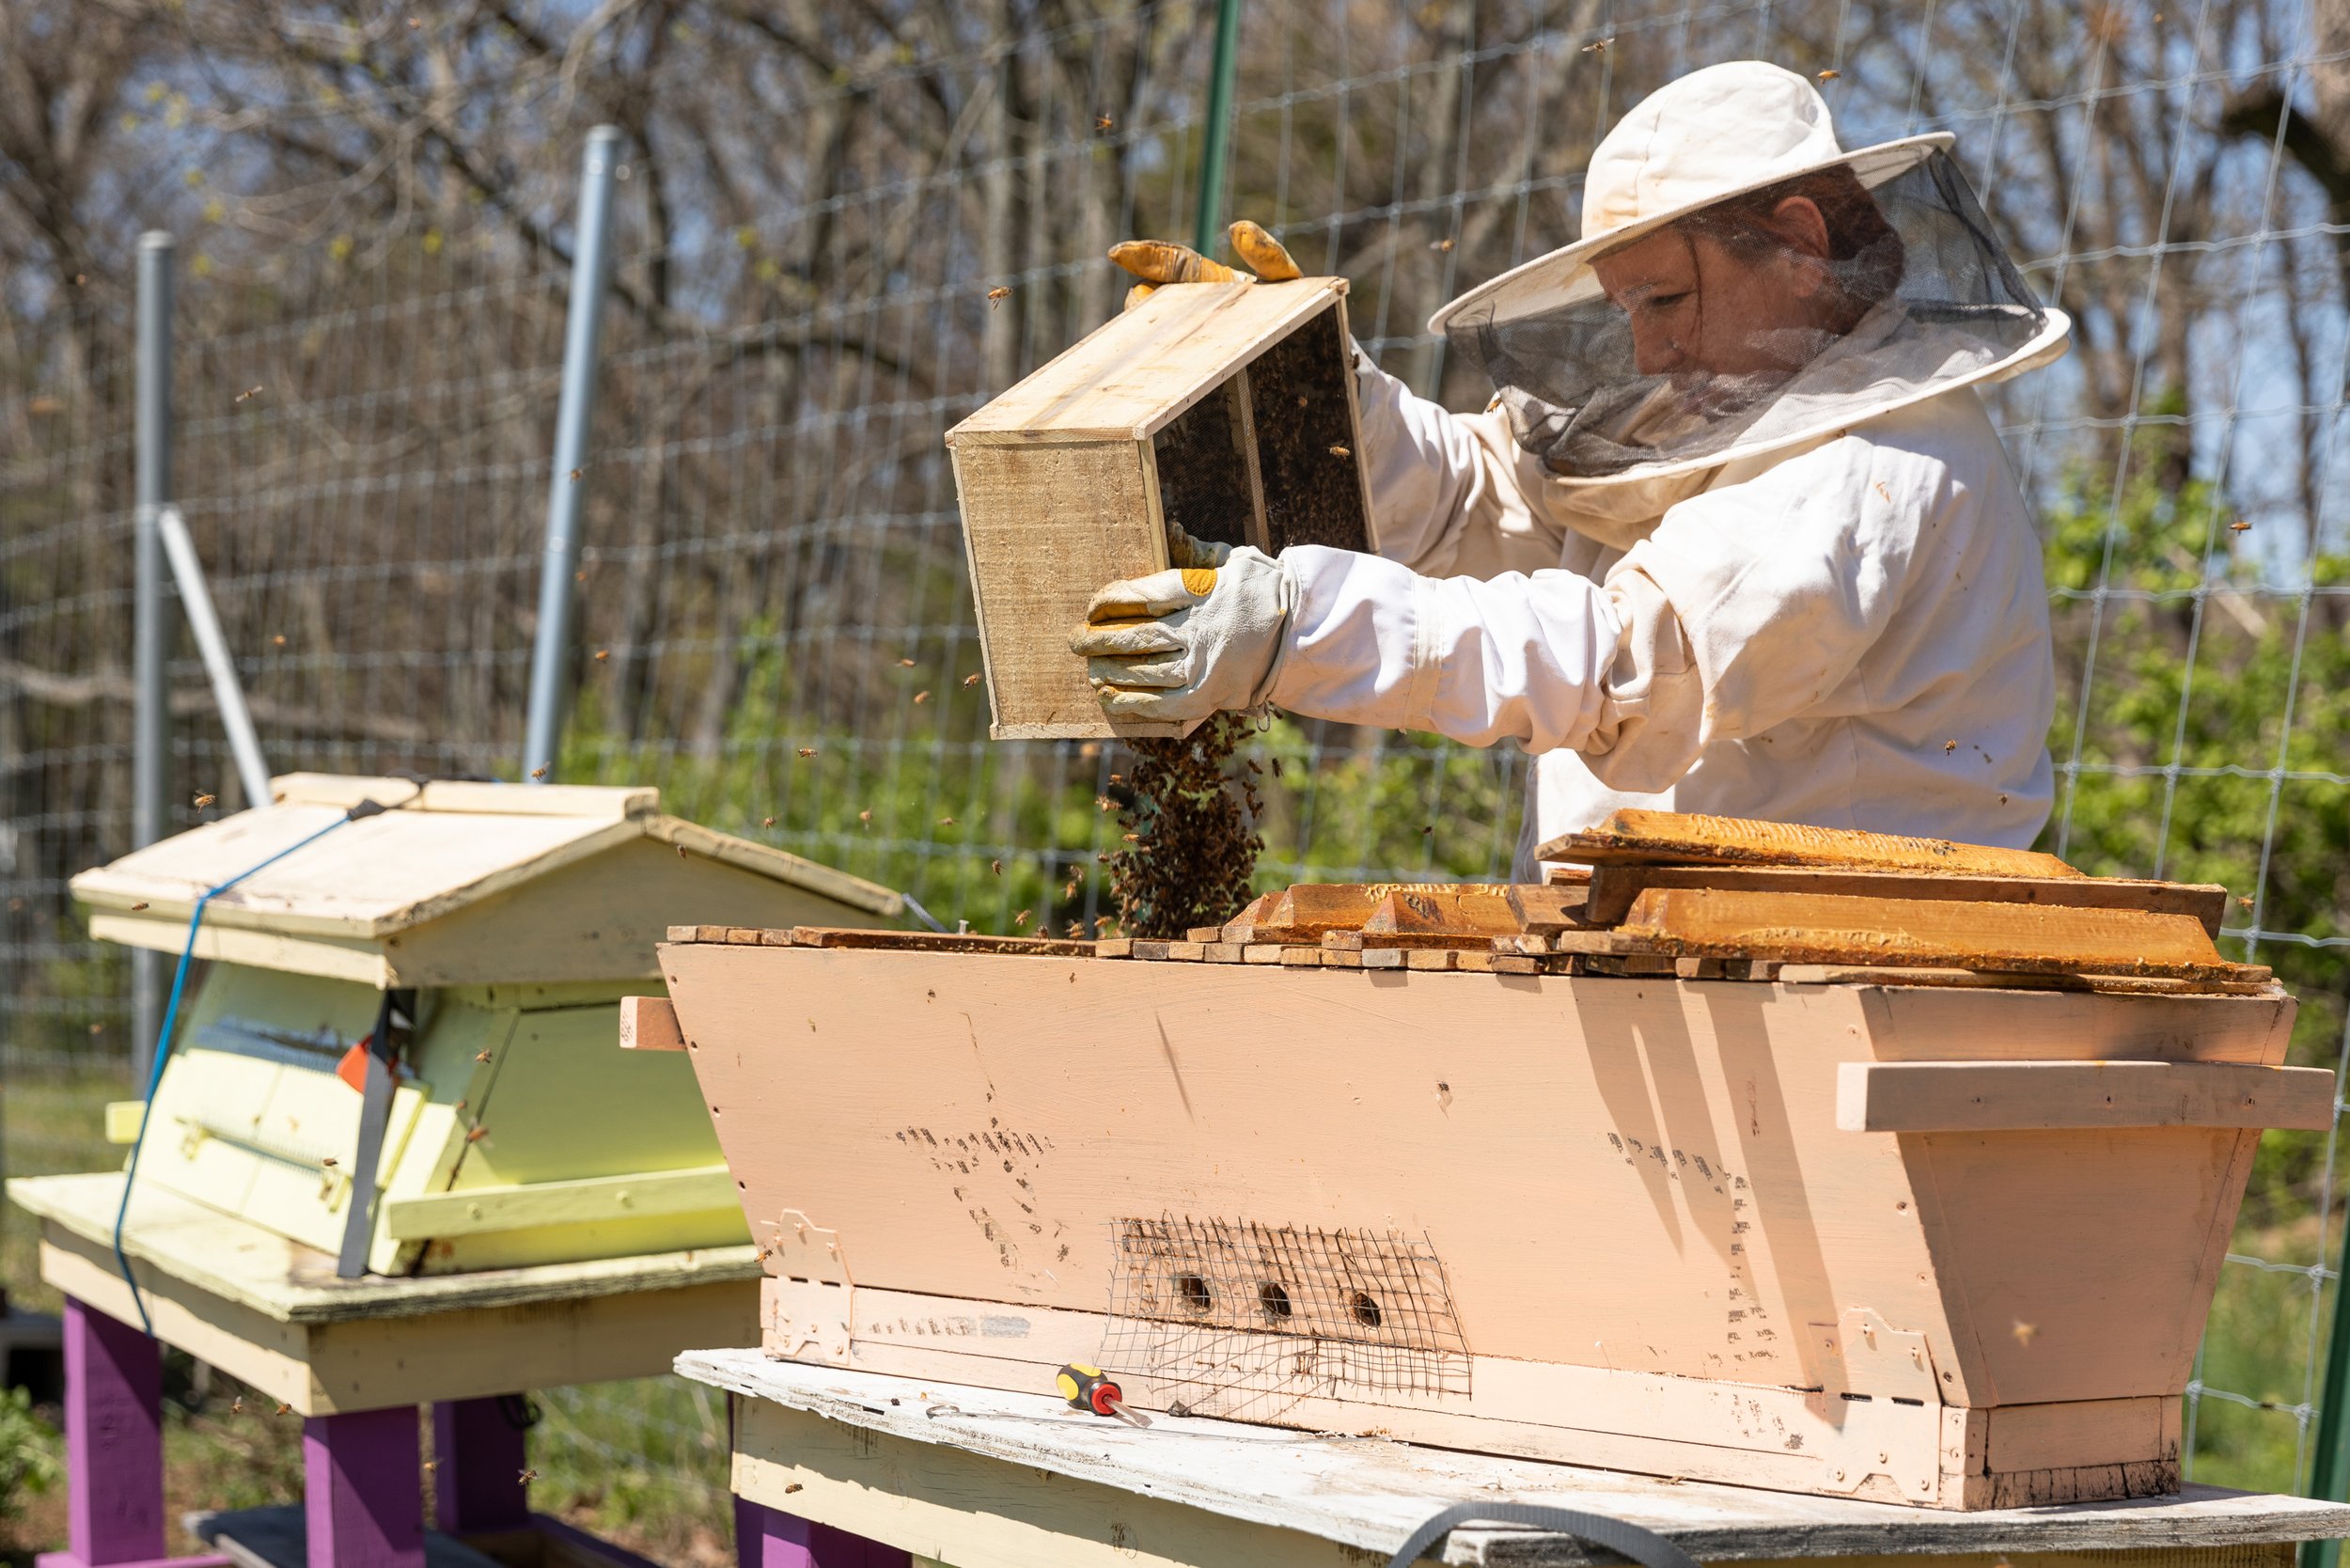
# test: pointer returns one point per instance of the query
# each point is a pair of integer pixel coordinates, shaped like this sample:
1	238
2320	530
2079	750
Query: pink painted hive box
1937	1236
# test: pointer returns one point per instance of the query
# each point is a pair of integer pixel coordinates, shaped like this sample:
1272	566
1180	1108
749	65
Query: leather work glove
1183	551
1179	644
1157	261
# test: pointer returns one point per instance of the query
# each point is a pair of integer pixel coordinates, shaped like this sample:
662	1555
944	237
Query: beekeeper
1734	535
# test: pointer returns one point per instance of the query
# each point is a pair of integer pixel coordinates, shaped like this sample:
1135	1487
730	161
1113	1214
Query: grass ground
644	1462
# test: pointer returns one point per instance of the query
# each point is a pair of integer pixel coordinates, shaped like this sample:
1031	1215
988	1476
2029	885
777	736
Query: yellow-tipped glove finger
1261	250
1137	295
1164	261
1183	550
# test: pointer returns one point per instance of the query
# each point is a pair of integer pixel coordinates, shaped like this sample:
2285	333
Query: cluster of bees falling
1190	850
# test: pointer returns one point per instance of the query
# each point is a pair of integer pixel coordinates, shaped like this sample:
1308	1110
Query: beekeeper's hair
1864	252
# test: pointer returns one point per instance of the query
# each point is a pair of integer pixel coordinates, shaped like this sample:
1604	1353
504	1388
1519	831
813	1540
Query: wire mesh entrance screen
1235	1318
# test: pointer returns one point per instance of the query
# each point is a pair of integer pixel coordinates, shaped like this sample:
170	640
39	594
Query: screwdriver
1090	1389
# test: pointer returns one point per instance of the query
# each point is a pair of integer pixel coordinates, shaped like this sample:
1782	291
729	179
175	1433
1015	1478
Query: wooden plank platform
985	1478
271	1311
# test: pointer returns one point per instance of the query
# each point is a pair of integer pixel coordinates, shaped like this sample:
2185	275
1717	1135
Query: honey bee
236	1407
946	821
537	773
527	1477
328	1161
905	663
248	392
1338	451
481	1056
431	1465
576	471
279	641
866	815
1445	244
1103	122
808	751
1949	746
1599	46
603	654
997	866
971	678
1830	75
2239	526
284	1409
998	296
202	801
476	1134
921	696
766	822
1021	918
137	907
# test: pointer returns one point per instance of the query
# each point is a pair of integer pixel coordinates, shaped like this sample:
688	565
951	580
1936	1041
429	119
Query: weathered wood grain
939	942
1834	928
1672	837
1614	886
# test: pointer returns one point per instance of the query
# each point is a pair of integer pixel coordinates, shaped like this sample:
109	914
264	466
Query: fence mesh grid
819	219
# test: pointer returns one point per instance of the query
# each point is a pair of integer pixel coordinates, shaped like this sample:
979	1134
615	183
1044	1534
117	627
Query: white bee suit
1801	639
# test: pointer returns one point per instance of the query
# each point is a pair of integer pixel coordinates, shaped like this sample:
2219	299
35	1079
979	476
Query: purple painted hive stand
362	1504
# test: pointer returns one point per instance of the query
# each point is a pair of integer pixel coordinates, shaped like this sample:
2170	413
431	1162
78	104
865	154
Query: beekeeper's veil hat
1926	296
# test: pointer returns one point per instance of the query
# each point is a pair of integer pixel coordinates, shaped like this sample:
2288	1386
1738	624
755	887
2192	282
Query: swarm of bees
1191	849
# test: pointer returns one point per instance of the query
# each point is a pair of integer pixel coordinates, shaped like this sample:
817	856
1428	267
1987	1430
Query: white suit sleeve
1520	657
1747	606
1449	492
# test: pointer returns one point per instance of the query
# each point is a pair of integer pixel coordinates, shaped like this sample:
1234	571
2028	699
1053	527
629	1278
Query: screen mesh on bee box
1238	1319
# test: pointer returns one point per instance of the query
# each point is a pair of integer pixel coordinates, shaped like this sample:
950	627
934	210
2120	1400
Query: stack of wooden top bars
1711	898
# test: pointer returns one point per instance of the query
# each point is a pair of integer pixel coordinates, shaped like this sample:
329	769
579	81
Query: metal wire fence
774	625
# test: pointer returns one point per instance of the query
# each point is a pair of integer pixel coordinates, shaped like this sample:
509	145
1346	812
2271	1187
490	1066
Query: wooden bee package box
1226	409
1543	1171
509	921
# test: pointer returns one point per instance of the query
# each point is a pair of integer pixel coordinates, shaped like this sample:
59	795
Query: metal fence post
1213	153
582	332
150	719
2329	1468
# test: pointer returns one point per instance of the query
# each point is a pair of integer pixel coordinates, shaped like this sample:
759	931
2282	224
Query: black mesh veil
1926	297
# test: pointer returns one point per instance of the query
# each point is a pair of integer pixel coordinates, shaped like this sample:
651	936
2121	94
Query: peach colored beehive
1843	1232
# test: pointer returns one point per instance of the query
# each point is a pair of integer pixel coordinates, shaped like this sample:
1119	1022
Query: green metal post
2329	1471
1217	146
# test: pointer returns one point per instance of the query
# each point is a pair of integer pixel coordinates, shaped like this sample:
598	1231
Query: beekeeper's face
1703	304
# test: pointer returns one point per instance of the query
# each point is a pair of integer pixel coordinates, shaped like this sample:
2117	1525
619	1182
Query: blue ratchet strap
1643	1547
171	1013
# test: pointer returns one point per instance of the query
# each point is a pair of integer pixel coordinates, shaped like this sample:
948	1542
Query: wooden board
242	1264
1137	371
1006	1480
1838	928
2038	1096
273	1315
1666	837
1614	886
